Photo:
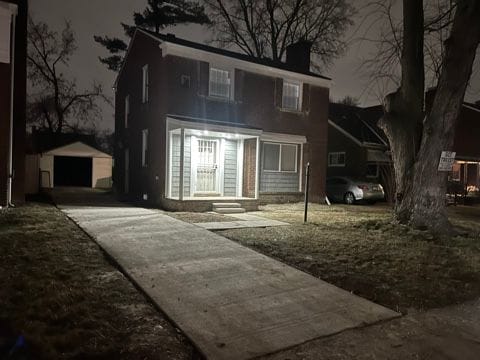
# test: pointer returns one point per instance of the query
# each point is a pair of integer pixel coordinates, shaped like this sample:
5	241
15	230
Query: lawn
358	249
62	295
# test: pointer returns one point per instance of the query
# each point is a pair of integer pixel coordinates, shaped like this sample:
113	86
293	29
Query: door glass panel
207	166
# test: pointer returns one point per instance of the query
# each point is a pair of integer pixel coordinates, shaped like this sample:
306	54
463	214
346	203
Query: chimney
298	55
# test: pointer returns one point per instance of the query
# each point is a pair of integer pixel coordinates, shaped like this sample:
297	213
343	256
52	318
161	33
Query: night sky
103	17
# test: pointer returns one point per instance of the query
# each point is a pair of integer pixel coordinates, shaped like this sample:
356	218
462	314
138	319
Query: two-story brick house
196	124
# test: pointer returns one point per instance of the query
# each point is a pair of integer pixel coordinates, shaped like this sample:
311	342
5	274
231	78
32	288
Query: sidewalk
244	221
232	302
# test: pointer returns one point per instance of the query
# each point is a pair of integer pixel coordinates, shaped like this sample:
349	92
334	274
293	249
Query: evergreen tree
158	15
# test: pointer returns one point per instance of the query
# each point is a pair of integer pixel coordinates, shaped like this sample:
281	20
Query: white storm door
207	159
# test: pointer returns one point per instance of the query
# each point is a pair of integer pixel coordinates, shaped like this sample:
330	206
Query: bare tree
383	67
349	100
55	103
264	28
417	139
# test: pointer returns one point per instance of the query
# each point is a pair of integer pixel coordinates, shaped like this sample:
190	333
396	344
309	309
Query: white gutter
12	88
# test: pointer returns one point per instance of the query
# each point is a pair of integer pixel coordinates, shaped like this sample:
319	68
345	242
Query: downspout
12	87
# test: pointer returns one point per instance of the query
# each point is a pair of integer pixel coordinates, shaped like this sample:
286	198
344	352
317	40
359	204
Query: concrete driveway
232	302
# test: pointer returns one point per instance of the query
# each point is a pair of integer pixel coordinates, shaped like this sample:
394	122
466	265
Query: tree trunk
416	141
402	122
439	125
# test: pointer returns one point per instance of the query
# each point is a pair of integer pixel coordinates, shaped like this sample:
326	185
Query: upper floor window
145	83
127	109
144	146
219	84
291	96
280	157
336	159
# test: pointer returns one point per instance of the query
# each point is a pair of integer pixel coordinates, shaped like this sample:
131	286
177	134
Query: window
455	173
127	110
372	171
291	96
144	147
279	157
145	83
336	159
219	84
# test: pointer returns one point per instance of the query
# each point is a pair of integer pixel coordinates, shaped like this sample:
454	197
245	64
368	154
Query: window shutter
306	98
238	83
203	78
278	92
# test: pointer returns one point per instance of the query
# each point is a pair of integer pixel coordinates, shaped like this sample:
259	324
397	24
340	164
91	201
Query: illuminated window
291	96
219	84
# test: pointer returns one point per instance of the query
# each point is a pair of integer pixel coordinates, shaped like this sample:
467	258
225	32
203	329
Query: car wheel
349	198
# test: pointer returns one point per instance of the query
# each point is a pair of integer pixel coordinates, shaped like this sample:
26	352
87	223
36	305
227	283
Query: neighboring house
356	146
466	170
66	160
13	50
196	124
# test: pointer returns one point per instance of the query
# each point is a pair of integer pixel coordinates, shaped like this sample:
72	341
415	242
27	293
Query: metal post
307	180
182	162
12	94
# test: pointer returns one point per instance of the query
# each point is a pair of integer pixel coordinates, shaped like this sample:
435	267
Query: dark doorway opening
72	171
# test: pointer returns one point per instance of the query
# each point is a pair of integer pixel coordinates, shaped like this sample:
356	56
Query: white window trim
231	74
280	158
145	83
300	95
376	174
144	147
127	110
337	153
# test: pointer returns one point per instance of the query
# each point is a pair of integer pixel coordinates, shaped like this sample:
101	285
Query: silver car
349	190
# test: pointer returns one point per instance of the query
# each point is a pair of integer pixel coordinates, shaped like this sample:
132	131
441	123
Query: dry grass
59	292
357	248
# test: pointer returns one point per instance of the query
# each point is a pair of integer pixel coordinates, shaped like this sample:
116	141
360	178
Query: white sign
446	161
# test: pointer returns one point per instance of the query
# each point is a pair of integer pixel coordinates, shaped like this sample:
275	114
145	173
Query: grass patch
358	249
59	292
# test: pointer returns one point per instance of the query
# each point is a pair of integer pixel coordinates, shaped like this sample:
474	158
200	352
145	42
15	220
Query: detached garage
76	164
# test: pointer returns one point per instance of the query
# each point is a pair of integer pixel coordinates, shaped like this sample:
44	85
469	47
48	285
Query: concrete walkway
232	302
244	221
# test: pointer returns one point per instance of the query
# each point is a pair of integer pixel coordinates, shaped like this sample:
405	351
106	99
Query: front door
207	179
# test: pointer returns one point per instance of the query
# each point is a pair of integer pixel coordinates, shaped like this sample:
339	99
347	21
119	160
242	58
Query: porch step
224	210
228	208
226	205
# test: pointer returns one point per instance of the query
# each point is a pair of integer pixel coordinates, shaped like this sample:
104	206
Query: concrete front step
224	210
226	205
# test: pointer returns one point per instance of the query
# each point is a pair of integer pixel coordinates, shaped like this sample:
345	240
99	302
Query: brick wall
249	167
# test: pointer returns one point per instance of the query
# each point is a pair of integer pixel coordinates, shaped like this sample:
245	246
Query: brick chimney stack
298	55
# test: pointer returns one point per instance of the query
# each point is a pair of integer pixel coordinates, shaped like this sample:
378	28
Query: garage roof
77	149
